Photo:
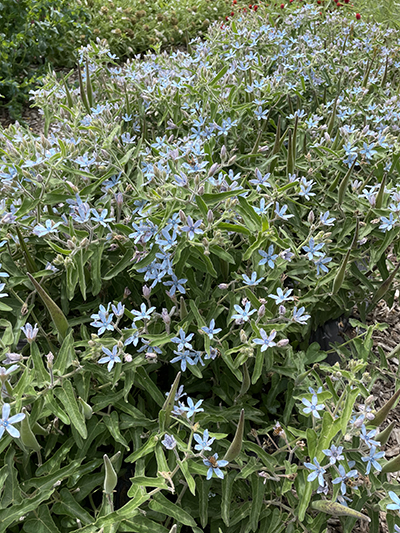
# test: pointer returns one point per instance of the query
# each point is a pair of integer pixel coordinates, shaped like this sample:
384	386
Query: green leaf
145	381
202	491
42	377
66	395
65	355
188	476
56	314
13	514
112	423
44	483
41	523
221	73
143	450
161	504
119	267
67	505
227	486
12	492
257	493
238	228
143	481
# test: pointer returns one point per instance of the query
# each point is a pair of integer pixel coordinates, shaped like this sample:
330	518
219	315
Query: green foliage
130	27
167	252
34	35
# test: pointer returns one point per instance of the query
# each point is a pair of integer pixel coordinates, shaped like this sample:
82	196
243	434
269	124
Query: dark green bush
34	34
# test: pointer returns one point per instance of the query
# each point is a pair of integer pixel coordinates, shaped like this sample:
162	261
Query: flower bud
146	291
127	292
119	199
243	336
223	154
232	160
182	216
236	445
311	217
50	359
282	343
223	286
200	192
282	309
210	216
261	311
213	170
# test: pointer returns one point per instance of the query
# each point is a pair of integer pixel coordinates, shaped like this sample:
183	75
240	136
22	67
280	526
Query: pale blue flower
318	472
111	357
243	314
203	443
211	330
6	422
313	406
215	466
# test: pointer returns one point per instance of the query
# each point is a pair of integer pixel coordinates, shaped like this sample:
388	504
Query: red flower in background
358	16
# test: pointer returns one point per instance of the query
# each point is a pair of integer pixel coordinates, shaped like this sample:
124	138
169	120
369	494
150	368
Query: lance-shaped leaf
236	445
384	287
384	435
379	196
345	182
56	314
82	91
336	509
110	478
339	278
382	413
169	402
30	262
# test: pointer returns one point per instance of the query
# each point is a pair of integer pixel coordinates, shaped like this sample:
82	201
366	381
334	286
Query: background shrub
33	36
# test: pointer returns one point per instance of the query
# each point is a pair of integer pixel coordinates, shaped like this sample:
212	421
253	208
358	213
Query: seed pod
382	413
381	192
339	278
27	436
384	435
336	509
345	182
86	409
111	478
246	381
169	402
290	162
89	89
236	445
391	466
182	308
382	290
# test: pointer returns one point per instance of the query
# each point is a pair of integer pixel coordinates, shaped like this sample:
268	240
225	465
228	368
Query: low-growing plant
167	247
